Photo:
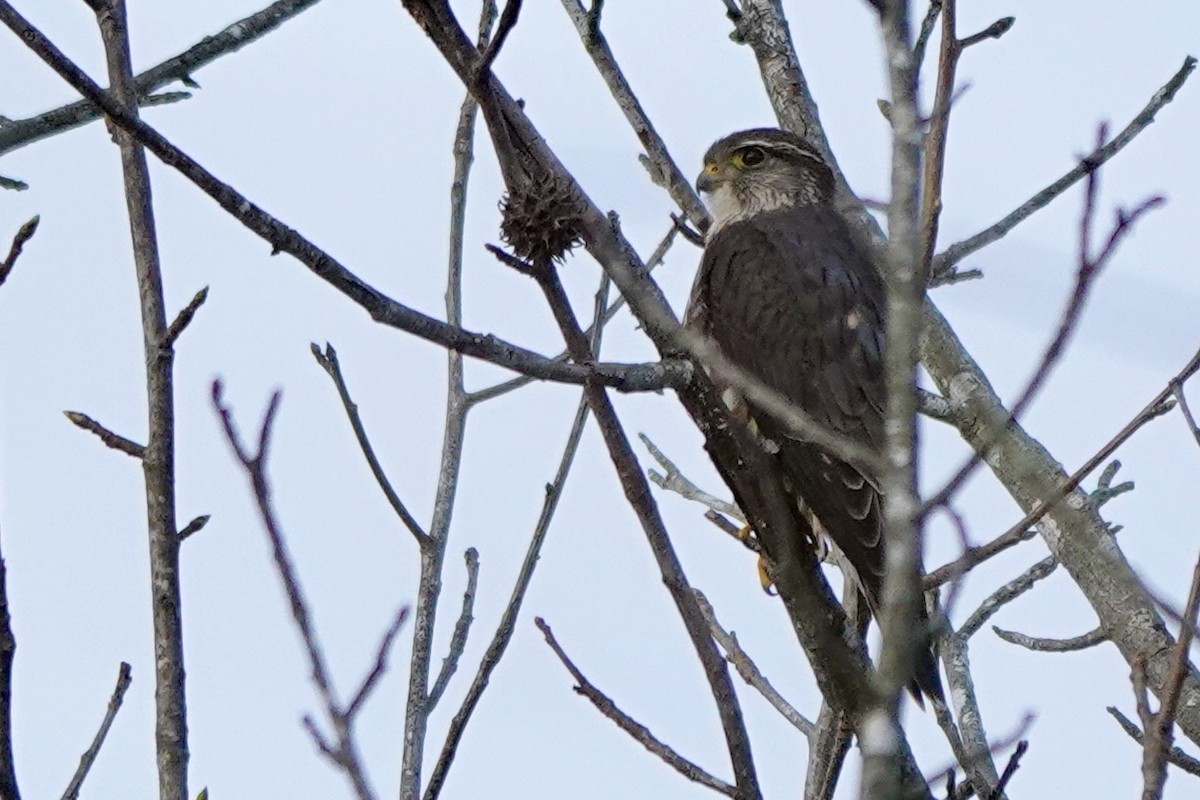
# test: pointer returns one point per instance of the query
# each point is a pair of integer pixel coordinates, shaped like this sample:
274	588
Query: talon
764	577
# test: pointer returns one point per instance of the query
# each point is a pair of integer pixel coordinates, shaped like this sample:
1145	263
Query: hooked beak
709	179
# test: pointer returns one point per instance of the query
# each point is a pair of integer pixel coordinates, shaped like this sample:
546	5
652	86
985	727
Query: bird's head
762	169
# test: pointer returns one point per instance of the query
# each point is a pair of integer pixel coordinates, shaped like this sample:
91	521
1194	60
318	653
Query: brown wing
789	297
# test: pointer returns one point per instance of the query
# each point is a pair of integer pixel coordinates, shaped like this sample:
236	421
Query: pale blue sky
340	124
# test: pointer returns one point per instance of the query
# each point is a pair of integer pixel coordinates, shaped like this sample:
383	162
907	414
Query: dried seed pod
542	222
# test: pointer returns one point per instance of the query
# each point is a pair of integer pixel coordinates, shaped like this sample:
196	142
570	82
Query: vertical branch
433	549
508	620
1160	731
158	462
8	650
902	593
939	125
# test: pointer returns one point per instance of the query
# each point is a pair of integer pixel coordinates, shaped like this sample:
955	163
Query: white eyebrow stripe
766	144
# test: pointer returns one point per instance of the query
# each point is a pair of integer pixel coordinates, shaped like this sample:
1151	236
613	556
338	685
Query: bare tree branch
383	309
639	732
344	753
676	481
968	740
663	168
508	620
18	133
1006	594
333	368
902	600
1174	755
158	458
1160	731
124	678
24	234
1181	397
1089	639
945	262
1090	267
993	31
1023	530
433	547
939	126
180	323
380	666
113	440
8	651
926	30
458	641
749	671
194	527
655	260
637	493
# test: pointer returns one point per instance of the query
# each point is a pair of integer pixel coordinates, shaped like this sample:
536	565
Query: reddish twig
1090	267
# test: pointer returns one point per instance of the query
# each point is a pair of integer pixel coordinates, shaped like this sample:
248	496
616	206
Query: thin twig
345	752
380	665
18	133
1160	734
993	31
8	651
656	259
462	628
508	620
1181	398
639	732
194	527
184	318
333	368
1043	645
931	16
676	481
1013	738
1010	769
749	671
113	440
945	262
939	126
663	167
24	234
1006	594
124	678
1023	530
1089	268
508	21
637	492
1185	762
384	310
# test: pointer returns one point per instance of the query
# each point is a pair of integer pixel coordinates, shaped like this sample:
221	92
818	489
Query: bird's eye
750	156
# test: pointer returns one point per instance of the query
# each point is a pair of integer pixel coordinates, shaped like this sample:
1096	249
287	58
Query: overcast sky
340	123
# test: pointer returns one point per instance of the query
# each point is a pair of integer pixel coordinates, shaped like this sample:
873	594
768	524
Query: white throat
726	206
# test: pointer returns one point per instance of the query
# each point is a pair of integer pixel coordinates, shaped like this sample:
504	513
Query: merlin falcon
788	294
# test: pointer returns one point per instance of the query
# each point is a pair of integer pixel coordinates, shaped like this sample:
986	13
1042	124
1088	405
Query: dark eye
752	156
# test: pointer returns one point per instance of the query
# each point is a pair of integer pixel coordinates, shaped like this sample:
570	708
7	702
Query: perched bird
789	295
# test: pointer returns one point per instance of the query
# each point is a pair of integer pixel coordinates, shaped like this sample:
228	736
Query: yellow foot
746	537
764	577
